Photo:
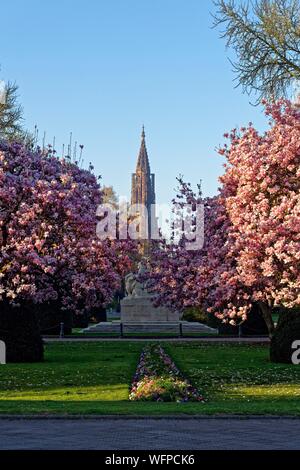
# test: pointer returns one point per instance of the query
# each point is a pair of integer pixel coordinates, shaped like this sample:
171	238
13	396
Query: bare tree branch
265	36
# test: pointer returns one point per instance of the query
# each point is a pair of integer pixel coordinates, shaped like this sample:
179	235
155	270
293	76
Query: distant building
143	185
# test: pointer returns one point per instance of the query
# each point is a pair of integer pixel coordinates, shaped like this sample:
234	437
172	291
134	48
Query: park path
150	434
249	340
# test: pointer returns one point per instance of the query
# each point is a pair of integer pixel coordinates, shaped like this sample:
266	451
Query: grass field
239	378
94	378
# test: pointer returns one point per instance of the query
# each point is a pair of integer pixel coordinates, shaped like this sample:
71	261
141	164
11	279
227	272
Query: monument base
142	310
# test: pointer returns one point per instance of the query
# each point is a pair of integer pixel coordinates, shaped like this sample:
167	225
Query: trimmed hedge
287	331
19	329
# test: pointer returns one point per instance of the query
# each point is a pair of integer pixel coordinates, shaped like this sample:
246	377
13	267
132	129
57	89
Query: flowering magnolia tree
261	188
180	277
251	252
48	246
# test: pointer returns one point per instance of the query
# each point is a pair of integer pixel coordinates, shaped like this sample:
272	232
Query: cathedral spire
143	160
143	183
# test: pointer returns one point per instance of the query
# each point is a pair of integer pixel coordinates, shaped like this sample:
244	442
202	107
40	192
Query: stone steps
150	327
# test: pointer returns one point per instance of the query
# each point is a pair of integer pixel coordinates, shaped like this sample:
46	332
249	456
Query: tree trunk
267	316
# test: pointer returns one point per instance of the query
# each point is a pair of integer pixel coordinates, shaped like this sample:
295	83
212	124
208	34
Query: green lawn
239	378
94	378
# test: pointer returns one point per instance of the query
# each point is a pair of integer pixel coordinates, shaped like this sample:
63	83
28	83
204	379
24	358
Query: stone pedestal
142	310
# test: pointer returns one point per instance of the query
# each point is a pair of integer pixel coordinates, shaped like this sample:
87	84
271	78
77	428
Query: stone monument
138	306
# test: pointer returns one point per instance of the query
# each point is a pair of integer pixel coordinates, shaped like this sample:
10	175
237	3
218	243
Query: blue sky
102	68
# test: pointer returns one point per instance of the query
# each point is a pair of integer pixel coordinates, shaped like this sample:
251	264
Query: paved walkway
151	434
202	340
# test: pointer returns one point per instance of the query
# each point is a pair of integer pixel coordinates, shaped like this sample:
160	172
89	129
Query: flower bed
158	379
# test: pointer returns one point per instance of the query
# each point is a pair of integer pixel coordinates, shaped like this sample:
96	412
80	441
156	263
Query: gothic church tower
143	183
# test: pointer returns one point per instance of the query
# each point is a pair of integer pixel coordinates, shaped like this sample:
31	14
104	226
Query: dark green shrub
194	314
97	315
287	331
19	329
80	320
50	317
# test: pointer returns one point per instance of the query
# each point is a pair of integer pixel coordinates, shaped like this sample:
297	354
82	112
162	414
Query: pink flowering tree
252	242
261	188
180	277
171	268
48	246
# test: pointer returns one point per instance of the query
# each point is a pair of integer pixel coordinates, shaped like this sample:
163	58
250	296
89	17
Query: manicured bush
19	329
287	331
194	314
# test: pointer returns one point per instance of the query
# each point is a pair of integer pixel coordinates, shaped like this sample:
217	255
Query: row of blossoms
49	252
157	378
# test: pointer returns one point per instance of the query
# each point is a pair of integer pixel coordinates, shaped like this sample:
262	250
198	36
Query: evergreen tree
11	114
